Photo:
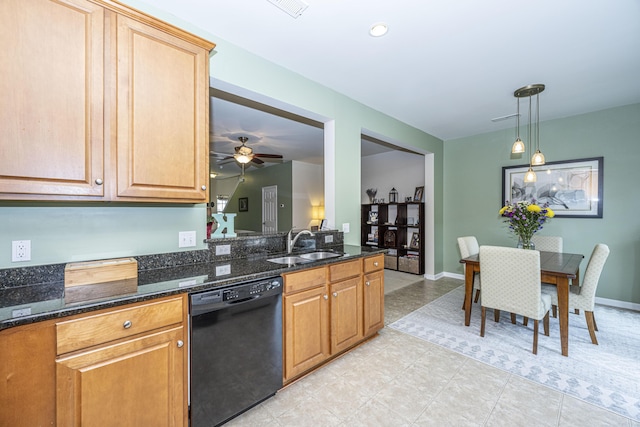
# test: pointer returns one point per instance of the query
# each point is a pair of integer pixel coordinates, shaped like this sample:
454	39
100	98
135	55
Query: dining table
556	268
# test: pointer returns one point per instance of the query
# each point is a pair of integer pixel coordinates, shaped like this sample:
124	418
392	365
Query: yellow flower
550	213
503	210
534	208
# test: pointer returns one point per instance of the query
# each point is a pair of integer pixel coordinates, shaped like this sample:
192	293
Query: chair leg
484	311
595	325
554	309
535	337
576	310
513	318
496	315
545	324
588	315
477	295
525	320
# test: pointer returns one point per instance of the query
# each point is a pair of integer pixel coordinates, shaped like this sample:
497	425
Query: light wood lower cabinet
306	333
373	294
327	310
133	371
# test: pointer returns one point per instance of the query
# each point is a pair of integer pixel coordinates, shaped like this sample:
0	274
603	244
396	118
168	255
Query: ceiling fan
245	155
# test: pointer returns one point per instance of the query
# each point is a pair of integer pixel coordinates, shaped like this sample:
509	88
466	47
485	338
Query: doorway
270	209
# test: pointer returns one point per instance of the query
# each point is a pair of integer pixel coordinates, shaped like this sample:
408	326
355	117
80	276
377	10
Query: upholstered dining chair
468	245
584	297
547	243
511	281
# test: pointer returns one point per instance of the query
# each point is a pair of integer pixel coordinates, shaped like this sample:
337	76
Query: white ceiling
446	67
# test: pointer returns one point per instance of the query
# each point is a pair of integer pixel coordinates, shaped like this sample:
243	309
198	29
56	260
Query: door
270	209
346	314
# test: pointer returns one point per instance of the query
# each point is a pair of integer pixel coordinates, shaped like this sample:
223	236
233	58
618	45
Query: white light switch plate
186	239
345	227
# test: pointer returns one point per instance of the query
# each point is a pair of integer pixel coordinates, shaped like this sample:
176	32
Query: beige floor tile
523	402
375	413
310	414
575	412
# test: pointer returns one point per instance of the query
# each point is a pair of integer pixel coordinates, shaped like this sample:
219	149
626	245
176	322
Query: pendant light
518	146
538	158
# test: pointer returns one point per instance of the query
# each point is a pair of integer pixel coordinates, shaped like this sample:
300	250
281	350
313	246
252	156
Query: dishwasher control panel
250	289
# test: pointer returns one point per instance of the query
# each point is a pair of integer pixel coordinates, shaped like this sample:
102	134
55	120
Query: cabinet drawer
374	263
344	270
90	330
305	279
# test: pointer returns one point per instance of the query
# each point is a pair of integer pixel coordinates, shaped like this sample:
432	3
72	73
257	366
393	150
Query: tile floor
398	380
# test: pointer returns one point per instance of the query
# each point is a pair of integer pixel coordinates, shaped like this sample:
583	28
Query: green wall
78	231
251	188
473	182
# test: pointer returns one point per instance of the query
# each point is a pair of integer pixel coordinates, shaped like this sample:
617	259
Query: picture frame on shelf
324	224
415	241
373	217
243	204
572	188
417	195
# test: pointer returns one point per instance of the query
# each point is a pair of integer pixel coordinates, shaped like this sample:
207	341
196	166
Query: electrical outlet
20	250
186	239
328	239
345	227
223	249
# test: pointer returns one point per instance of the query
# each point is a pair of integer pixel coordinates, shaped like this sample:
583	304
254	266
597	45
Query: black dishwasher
235	349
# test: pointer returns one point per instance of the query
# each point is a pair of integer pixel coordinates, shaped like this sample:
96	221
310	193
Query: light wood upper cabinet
162	114
101	102
51	108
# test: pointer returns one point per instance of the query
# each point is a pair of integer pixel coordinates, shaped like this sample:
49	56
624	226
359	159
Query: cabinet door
162	115
139	382
52	85
306	335
373	302
346	314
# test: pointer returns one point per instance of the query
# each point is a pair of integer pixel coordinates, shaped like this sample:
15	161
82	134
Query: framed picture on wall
243	204
572	188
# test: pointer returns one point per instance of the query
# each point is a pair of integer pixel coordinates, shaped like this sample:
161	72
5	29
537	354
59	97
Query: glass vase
525	243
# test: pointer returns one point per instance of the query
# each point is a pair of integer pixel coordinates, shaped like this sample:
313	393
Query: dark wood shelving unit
398	227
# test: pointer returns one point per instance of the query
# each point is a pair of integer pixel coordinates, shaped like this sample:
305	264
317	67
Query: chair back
468	246
547	243
592	273
511	280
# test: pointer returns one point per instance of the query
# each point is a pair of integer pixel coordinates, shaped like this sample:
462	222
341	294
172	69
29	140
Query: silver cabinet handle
326	297
204	187
375	263
367	283
335	294
180	343
127	324
98	181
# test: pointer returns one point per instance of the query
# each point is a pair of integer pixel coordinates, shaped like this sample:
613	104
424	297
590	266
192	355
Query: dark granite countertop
37	302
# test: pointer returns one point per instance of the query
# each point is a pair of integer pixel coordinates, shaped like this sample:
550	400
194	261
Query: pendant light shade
530	176
537	159
518	147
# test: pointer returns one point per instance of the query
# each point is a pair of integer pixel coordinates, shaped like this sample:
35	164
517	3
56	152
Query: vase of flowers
525	219
371	192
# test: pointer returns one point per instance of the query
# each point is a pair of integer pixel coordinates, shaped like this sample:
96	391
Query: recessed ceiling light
379	29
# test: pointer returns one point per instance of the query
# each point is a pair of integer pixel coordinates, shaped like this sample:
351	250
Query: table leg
563	313
468	293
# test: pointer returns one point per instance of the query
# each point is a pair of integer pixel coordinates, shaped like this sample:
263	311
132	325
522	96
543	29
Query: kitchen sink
289	260
319	255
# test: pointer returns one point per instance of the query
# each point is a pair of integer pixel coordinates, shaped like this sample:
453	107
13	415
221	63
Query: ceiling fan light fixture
242	158
378	29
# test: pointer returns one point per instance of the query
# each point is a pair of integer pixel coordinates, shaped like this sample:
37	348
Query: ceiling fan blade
268	156
257	161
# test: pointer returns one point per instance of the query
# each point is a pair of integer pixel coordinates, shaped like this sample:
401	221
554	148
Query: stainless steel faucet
292	242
